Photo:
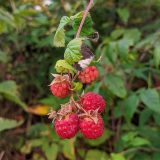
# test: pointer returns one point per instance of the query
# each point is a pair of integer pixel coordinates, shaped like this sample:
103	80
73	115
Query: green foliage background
130	79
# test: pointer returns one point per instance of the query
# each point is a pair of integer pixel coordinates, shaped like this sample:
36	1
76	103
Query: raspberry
91	129
60	90
93	101
60	86
88	75
67	127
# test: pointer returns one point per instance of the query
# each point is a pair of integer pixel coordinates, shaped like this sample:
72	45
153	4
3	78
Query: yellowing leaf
64	67
41	110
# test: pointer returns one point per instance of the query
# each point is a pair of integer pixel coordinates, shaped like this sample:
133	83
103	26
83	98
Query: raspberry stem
84	17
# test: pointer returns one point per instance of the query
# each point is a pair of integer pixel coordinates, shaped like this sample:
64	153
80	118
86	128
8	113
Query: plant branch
84	17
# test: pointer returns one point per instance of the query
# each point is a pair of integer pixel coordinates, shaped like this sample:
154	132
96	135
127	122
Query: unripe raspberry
88	75
93	101
60	86
90	128
67	127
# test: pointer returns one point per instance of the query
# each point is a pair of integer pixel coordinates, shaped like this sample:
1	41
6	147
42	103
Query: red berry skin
68	127
90	129
93	101
60	89
88	75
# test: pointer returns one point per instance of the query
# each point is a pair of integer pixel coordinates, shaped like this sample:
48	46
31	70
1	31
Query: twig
118	130
13	5
84	17
63	5
1	155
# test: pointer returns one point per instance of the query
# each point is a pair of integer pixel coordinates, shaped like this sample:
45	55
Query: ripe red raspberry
93	101
88	75
60	86
60	90
67	127
91	129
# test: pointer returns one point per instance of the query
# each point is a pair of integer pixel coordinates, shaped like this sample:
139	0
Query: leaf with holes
64	67
87	28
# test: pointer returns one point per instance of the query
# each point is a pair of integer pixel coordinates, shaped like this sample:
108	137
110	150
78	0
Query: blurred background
130	79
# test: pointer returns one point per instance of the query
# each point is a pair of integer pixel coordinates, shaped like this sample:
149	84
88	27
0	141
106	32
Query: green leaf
151	134
138	141
37	130
6	17
142	156
96	155
123	47
73	51
8	124
29	144
77	86
112	52
81	152
59	38
123	14
133	34
97	87
117	33
3	57
130	106
144	116
131	139
117	156
128	137
53	101
51	151
151	99
87	28
118	111
140	73
68	149
156	118
116	85
3	27
156	156
156	54
100	140
64	67
147	42
9	90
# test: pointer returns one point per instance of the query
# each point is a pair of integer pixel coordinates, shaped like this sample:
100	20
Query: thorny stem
84	17
77	105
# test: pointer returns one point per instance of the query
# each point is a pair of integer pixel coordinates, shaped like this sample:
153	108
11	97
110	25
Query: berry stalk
84	17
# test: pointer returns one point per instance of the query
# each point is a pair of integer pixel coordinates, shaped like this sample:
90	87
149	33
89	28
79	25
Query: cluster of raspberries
83	114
